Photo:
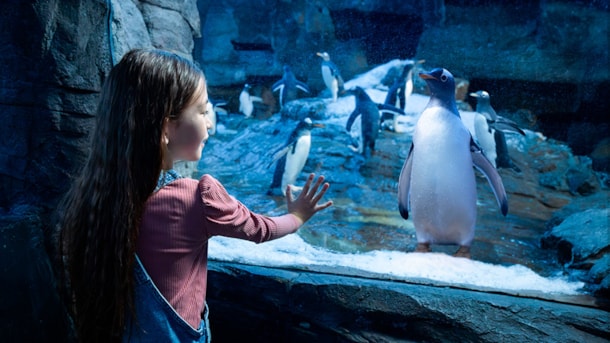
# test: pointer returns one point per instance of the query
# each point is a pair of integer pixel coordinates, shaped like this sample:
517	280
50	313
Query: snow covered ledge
271	304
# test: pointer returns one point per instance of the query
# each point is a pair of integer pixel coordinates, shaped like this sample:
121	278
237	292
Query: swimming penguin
367	113
489	130
246	101
214	107
292	156
399	93
331	75
437	182
288	86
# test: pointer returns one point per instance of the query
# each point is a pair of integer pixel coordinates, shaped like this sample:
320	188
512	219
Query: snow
292	251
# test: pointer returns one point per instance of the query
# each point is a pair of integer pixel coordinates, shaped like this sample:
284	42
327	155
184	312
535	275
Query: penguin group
436	186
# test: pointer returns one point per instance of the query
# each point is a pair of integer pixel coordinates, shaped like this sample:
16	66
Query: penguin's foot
423	247
463	251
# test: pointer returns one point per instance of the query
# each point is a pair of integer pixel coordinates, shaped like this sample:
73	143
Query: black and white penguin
489	130
399	93
331	75
246	101
437	185
291	157
366	116
288	86
214	107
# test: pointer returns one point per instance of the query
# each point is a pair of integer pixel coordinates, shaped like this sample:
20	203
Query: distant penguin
331	75
213	108
288	86
399	93
246	101
437	182
292	156
489	129
367	112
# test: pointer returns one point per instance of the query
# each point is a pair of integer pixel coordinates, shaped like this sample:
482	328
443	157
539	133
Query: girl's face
187	135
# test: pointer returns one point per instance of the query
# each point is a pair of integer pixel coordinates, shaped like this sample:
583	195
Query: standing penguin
331	75
288	86
437	182
246	101
367	112
292	156
490	128
213	108
399	93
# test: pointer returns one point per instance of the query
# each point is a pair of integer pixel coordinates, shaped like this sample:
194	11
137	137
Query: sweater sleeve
226	216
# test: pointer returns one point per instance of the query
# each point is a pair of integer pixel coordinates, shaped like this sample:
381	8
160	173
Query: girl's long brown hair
100	215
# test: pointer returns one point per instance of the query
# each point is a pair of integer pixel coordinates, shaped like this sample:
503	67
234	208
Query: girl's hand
306	204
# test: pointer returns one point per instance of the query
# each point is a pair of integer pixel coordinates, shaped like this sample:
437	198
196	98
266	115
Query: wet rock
600	270
580	236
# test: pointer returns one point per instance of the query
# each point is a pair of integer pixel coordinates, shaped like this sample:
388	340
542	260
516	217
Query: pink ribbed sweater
173	238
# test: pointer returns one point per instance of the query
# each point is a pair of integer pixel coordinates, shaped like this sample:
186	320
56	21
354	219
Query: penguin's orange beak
427	76
318	125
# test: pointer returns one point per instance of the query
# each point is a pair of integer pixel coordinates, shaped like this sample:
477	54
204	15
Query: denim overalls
157	321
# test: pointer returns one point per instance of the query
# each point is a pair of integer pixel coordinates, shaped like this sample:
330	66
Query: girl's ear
166	131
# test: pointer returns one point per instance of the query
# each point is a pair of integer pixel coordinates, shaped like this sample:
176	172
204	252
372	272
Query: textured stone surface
277	305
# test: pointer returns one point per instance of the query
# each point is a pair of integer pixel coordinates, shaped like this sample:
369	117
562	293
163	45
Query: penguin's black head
359	93
287	69
441	83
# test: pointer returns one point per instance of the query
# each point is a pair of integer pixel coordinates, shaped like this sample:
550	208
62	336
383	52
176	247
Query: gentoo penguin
367	113
489	130
246	101
292	156
331	75
437	182
288	86
213	108
399	93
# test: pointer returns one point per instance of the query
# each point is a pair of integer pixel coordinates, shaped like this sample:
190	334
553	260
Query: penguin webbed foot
463	251
423	247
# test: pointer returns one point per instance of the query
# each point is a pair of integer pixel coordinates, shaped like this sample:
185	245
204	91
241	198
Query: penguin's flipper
303	86
495	181
508	126
279	153
390	98
277	86
404	186
256	98
350	120
392	109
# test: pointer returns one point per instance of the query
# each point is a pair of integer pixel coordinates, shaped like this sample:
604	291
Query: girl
133	233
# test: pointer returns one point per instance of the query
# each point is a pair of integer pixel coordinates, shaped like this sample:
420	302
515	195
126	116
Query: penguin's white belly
356	134
485	137
245	104
408	91
330	81
296	161
443	188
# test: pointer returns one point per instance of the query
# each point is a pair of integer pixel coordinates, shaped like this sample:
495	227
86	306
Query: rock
301	306
600	270
571	241
601	156
31	308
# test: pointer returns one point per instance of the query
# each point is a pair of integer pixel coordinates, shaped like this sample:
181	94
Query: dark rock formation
256	304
